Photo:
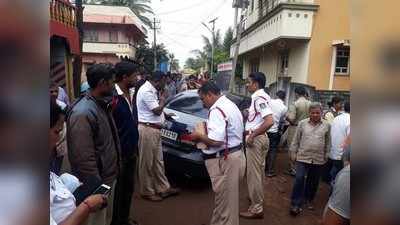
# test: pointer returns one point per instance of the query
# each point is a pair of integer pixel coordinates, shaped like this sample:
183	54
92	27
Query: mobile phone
103	189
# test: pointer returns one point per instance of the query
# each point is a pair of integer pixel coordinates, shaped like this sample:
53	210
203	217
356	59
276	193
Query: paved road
194	205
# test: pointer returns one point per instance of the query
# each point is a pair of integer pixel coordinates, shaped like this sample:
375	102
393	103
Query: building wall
342	83
299	62
268	64
269	61
89	59
331	22
104	32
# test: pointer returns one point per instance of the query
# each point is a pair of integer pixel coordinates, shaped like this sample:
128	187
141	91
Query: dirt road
195	203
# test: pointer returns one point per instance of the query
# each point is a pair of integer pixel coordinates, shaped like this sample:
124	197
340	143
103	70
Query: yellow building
306	41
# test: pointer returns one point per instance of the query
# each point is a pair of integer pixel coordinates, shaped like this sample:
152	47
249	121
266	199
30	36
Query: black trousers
274	139
124	190
306	183
331	169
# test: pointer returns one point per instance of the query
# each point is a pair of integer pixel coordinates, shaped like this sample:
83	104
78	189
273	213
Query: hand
195	136
293	156
169	115
163	95
250	140
96	202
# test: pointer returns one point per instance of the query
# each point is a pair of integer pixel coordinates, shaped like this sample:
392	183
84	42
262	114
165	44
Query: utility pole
212	30
155	28
213	45
237	4
77	65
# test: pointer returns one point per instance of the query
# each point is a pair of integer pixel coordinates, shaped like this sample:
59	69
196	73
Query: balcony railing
64	12
267	6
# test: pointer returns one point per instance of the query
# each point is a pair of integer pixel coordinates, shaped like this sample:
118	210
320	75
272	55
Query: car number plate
169	134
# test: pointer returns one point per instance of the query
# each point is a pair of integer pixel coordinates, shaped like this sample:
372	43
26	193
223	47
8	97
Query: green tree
193	63
173	62
139	7
228	40
145	55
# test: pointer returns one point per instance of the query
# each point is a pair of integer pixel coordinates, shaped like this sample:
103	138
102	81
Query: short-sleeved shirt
339	202
259	108
279	111
216	124
147	100
62	201
340	129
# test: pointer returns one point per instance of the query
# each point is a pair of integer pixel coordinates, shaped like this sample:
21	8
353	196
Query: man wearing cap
224	158
150	102
259	120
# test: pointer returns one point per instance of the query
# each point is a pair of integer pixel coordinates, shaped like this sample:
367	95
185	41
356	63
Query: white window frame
341	53
91	36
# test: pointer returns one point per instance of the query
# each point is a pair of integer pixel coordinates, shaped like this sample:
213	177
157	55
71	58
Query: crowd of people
114	129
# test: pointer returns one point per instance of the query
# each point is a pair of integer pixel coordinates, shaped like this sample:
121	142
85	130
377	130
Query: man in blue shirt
125	116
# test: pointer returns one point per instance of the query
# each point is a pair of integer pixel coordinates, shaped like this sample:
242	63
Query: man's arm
206	140
163	99
81	147
296	139
291	114
155	105
327	142
332	218
268	122
216	131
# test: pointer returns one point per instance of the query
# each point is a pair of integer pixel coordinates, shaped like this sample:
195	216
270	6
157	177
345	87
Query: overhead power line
183	9
207	17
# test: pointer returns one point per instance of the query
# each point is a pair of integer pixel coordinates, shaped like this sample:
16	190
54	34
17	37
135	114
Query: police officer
298	111
150	102
224	158
259	120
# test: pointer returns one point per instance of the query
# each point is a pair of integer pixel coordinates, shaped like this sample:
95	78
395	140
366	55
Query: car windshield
193	105
190	105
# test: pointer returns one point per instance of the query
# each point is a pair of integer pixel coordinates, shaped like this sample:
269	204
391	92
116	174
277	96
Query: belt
248	133
152	125
221	152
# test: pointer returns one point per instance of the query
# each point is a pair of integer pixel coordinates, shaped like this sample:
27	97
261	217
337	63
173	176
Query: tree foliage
202	58
139	7
145	55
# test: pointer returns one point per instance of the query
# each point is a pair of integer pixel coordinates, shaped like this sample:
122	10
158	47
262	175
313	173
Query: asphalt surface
194	205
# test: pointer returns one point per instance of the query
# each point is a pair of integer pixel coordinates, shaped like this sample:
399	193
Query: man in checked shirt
309	149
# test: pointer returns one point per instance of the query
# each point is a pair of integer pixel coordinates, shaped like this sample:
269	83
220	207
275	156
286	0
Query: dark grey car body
179	156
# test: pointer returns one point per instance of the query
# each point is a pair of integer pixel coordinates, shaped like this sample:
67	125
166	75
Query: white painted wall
268	64
298	62
252	16
269	58
122	49
286	24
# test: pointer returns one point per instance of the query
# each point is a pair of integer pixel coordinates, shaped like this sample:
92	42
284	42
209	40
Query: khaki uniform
255	156
298	111
225	178
225	124
256	153
152	179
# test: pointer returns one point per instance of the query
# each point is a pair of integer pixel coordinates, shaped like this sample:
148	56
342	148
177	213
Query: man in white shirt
224	158
258	121
153	183
340	129
279	110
